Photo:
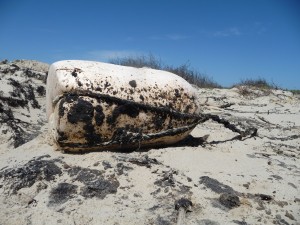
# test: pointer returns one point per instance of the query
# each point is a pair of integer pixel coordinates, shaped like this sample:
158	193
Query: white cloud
176	37
105	55
233	31
256	28
172	37
129	38
259	28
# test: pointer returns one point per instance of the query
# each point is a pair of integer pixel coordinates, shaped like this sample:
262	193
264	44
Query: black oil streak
230	201
99	115
159	120
128	109
106	84
216	186
177	95
83	111
61	108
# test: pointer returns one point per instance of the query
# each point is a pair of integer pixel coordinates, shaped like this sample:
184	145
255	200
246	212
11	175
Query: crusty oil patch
94	181
34	170
89	183
62	193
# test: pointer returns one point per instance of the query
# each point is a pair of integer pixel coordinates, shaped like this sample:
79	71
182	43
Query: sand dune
229	180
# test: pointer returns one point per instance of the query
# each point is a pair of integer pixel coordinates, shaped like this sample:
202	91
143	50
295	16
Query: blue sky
226	40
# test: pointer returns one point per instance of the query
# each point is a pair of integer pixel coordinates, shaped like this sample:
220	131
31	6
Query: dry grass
259	83
295	92
255	87
184	71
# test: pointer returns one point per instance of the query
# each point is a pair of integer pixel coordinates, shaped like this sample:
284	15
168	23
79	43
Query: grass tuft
184	71
259	83
255	87
295	92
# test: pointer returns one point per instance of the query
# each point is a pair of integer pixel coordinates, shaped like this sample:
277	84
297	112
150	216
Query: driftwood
248	132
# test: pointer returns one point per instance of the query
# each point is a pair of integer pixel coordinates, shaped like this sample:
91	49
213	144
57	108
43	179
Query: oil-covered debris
101	121
24	93
230	201
29	173
106	114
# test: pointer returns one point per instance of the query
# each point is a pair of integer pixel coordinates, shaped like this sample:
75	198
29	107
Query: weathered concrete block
100	106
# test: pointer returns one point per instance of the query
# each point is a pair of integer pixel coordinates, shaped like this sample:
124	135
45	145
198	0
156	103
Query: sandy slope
22	101
258	177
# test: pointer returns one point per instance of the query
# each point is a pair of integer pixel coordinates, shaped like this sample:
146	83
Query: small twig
264	120
251	132
181	216
227	105
279	104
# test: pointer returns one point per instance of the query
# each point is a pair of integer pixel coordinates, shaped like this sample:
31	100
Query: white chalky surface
116	78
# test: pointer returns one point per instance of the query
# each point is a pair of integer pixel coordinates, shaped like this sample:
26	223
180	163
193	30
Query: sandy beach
228	179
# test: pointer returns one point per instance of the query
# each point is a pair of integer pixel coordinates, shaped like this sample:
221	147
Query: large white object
94	106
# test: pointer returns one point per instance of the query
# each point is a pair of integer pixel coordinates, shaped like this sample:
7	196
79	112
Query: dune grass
295	92
255	87
191	75
259	83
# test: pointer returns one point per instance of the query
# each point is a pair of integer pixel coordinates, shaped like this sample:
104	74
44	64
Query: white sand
267	164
